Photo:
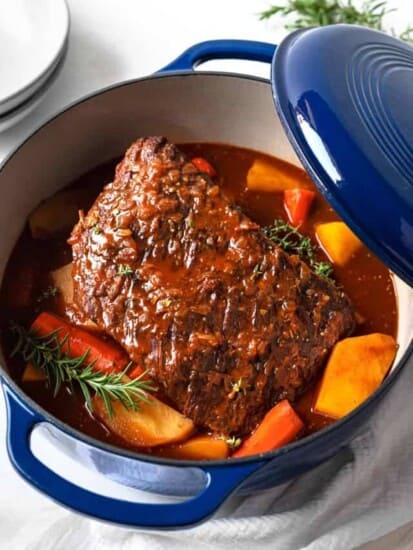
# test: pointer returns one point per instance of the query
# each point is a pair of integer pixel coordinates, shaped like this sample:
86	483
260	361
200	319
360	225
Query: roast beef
226	322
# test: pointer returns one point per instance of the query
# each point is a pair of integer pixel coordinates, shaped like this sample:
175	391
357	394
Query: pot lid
345	97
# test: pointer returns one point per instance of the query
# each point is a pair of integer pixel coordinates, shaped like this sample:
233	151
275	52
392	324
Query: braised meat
226	323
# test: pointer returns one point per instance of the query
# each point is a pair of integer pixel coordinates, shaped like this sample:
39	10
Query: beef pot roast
226	323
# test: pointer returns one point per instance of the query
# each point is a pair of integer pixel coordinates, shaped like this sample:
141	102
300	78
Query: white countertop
111	41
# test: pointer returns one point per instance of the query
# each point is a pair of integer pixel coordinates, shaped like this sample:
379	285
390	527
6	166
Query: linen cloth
364	492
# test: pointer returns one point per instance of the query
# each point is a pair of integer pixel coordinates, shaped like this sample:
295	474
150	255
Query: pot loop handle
248	50
220	482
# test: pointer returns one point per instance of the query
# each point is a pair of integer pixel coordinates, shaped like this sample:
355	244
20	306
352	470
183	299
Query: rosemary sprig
47	353
292	241
310	13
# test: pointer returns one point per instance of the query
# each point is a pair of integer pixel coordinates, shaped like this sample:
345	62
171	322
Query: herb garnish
233	442
50	292
310	13
46	354
292	241
125	270
237	387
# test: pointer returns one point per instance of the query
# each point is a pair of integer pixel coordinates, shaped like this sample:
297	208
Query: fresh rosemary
47	353
292	241
310	13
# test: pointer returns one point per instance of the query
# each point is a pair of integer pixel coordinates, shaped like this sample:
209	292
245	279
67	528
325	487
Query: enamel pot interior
185	107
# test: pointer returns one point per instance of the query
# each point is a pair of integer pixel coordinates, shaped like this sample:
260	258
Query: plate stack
33	43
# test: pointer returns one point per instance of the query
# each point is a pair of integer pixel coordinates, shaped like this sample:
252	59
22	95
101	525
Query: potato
62	279
356	368
155	423
58	213
337	241
31	374
200	447
263	176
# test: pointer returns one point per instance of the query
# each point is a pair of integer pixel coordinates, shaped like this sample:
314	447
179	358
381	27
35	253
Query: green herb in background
310	13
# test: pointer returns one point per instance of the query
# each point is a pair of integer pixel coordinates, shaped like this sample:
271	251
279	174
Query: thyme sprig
47	354
310	13
292	241
49	292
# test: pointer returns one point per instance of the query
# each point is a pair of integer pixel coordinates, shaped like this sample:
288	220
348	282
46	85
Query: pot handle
220	482
221	49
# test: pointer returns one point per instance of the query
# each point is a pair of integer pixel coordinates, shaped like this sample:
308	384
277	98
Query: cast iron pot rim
112	449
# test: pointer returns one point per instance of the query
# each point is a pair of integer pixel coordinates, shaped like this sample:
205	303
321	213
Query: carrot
136	372
204	166
297	204
280	425
107	356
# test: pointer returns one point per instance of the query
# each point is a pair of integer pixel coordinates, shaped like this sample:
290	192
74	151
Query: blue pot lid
345	97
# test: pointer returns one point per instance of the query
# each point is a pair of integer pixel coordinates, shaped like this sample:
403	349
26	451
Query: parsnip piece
155	423
263	176
337	241
62	279
200	447
356	368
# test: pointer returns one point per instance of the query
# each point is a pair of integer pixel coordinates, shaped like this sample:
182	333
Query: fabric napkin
361	494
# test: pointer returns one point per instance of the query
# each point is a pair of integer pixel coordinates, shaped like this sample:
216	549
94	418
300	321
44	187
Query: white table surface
111	41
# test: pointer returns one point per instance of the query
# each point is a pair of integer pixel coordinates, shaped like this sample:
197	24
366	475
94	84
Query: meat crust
226	322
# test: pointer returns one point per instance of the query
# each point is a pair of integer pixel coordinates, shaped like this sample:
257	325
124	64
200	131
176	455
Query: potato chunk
155	423
200	447
58	213
63	280
31	374
263	176
356	368
337	241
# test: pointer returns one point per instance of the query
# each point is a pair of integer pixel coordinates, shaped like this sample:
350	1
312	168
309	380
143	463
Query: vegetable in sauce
41	257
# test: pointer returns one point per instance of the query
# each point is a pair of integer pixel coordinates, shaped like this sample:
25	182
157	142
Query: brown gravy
32	260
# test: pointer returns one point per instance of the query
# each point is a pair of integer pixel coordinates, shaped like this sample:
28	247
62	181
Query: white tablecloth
355	498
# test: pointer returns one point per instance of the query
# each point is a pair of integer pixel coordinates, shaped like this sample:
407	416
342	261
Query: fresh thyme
233	442
310	13
125	270
50	292
237	387
47	354
292	241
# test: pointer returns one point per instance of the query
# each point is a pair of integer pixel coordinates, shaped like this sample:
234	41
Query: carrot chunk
107	356
280	425
204	166
297	204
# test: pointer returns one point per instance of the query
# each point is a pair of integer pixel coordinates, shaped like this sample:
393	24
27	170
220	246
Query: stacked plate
33	43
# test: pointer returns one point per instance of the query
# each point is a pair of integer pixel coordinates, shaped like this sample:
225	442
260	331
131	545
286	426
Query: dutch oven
343	111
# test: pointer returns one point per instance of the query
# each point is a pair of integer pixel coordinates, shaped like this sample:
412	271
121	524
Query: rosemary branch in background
292	241
46	353
310	13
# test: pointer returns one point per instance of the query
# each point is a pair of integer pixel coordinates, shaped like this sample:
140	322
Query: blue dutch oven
342	97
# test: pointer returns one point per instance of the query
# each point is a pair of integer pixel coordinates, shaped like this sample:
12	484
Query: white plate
33	35
21	111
